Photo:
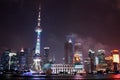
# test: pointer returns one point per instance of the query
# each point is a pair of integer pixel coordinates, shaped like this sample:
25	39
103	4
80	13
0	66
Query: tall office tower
78	57
91	55
101	56
9	60
22	60
37	58
78	50
101	60
116	60
46	54
68	52
71	37
5	59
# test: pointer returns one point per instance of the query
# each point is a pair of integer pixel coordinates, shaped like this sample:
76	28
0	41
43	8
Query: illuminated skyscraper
78	50
116	60
24	59
101	60
78	57
91	55
46	54
37	58
68	52
9	60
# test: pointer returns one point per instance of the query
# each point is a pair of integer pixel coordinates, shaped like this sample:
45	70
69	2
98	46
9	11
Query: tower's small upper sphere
38	30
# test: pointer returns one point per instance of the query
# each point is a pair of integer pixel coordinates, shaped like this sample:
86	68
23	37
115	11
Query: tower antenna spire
39	17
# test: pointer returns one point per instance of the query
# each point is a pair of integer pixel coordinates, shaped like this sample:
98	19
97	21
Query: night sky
96	23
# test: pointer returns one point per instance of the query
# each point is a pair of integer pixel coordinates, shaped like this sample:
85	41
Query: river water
63	77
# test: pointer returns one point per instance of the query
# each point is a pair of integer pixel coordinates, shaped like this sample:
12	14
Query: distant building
101	56
62	68
78	50
102	65
109	62
46	54
9	61
23	59
91	55
87	65
52	59
78	57
68	47
116	60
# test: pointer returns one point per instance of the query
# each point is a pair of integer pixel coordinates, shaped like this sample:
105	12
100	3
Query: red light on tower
115	55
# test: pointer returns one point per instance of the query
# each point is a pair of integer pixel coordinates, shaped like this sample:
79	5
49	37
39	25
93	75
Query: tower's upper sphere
38	29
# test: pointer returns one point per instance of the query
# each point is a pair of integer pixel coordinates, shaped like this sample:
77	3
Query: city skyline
94	20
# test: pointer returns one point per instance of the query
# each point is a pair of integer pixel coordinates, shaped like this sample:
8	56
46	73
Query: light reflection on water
67	77
78	77
37	79
98	76
117	76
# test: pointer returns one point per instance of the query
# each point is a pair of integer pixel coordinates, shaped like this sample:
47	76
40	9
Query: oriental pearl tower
37	57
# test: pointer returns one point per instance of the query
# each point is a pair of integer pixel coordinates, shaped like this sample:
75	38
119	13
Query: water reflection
116	76
37	79
79	77
65	77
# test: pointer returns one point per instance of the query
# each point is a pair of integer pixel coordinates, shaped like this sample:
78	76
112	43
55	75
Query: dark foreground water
63	77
